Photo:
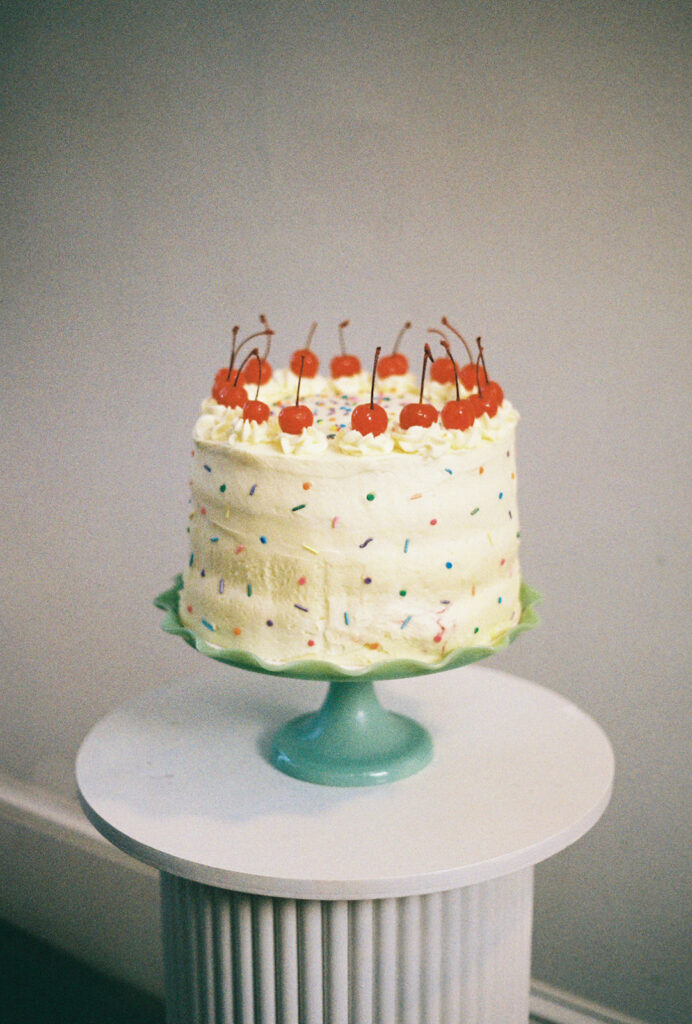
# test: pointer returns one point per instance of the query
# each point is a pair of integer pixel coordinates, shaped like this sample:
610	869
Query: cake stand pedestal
285	902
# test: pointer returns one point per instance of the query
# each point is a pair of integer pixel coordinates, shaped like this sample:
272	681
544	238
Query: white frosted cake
352	547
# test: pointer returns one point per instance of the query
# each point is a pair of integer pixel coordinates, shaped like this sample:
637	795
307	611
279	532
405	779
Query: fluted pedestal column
285	902
441	958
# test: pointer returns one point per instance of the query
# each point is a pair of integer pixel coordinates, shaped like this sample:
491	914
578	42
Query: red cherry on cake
312	363
231	394
417	414
467	373
294	419
420	413
224	375
493	388
490	395
442	372
304	361
393	365
469	377
344	365
256	411
482	402
260	370
458	414
370	418
253	375
396	363
253	409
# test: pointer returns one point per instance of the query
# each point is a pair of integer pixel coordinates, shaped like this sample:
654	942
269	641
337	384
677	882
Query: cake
353	546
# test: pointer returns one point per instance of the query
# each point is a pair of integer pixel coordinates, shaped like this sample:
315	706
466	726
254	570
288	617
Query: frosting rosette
352	442
310	441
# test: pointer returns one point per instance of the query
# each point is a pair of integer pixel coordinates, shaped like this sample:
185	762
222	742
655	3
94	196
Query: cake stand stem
351	740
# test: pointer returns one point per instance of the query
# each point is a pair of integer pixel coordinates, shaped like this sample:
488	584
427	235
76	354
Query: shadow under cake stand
285	902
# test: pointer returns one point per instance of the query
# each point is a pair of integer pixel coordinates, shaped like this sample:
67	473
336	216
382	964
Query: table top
180	778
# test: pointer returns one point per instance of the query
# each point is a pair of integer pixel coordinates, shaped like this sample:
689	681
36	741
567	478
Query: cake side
402	547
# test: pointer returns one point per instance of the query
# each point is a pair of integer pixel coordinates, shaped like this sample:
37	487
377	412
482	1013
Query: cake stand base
351	741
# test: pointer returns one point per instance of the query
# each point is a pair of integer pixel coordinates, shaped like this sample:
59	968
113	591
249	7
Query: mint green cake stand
351	740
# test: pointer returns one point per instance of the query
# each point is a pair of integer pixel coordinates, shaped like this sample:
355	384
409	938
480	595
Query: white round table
285	902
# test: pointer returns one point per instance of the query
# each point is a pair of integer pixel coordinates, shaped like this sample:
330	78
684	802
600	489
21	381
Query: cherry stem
372	383
311	333
427	354
436	330
344	323
447	324
446	347
300	377
481	357
257	334
255	353
268	331
400	335
236	328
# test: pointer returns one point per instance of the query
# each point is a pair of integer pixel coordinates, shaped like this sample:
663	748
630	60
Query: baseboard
61	881
551	1005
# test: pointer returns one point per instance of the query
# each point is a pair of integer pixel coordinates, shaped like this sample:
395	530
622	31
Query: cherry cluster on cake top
482	396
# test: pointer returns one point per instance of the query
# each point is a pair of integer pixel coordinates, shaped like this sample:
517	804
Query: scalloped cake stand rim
399	668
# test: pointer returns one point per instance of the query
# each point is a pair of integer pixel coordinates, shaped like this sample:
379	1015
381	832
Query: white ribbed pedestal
285	902
447	957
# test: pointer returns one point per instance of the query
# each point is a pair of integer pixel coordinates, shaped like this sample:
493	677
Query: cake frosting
349	548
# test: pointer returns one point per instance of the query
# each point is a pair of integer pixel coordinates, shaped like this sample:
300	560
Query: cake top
298	410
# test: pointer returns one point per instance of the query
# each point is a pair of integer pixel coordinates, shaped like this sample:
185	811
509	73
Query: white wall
168	170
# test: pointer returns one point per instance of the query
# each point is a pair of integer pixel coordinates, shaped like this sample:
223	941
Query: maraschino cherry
293	419
420	413
254	410
370	418
457	414
441	371
396	363
491	389
490	395
225	374
344	365
230	391
261	370
468	374
304	362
